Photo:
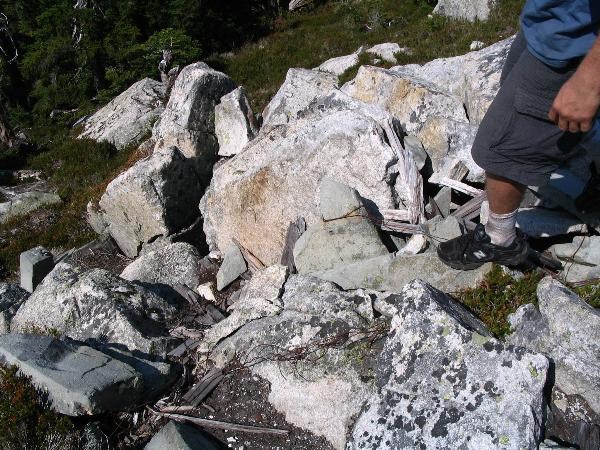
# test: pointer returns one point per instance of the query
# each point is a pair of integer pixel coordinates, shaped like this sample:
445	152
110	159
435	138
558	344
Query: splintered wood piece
458	171
254	264
399	227
409	175
192	297
207	423
200	391
460	187
471	209
295	230
182	349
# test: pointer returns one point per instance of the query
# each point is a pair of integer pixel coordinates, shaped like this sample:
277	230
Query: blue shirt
559	31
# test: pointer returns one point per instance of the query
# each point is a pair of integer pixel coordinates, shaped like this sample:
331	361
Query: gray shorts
516	140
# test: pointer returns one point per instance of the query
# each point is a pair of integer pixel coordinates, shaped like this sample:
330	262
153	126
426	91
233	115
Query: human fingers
563	123
574	126
553	115
585	126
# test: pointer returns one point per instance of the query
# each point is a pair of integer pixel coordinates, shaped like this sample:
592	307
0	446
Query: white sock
501	228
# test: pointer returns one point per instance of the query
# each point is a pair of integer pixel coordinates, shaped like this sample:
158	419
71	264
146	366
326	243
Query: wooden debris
182	349
471	209
295	230
254	264
408	173
191	296
200	391
458	171
460	187
207	423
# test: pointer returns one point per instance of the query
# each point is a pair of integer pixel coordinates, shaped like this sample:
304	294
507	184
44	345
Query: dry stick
409	175
207	423
460	187
198	393
471	209
254	264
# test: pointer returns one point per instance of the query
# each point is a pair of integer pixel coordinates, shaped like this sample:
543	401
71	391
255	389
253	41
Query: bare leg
504	195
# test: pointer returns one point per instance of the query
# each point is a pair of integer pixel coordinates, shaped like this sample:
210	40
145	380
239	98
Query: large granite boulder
78	379
177	263
465	9
25	198
129	117
235	124
11	298
97	306
156	197
301	86
188	121
254	196
581	258
567	330
443	382
409	99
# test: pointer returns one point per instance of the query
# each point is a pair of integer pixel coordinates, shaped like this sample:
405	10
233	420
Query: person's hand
577	103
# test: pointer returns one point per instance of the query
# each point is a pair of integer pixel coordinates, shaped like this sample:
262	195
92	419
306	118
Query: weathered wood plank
254	264
460	187
295	230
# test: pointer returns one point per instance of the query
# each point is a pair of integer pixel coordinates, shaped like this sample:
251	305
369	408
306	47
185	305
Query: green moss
26	420
498	296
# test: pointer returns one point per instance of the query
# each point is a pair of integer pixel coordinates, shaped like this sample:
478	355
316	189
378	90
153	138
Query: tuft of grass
26	420
589	293
340	27
80	170
499	295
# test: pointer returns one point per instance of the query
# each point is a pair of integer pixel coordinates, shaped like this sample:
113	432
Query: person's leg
504	197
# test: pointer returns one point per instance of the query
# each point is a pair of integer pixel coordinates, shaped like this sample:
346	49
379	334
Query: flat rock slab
390	273
580	258
232	267
567	330
25	203
339	65
443	385
235	124
11	298
336	200
179	436
78	379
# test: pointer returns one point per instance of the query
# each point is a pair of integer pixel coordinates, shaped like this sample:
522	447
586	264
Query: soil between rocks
243	399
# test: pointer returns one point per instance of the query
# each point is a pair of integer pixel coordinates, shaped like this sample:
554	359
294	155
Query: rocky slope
329	212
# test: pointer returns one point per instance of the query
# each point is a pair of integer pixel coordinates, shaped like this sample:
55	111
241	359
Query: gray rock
232	267
78	379
25	200
332	381
388	51
128	118
256	195
158	196
410	99
235	124
336	200
414	145
259	298
93	217
471	10
474	77
442	382
441	230
188	121
391	273
11	298
179	436
300	87
34	265
581	258
443	199
337	66
567	330
97	306
177	263
339	242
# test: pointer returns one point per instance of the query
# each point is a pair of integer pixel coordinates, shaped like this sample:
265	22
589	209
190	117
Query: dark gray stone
35	264
11	298
78	379
179	436
233	266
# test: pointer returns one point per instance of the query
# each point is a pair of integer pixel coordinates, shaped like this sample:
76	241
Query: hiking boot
474	249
